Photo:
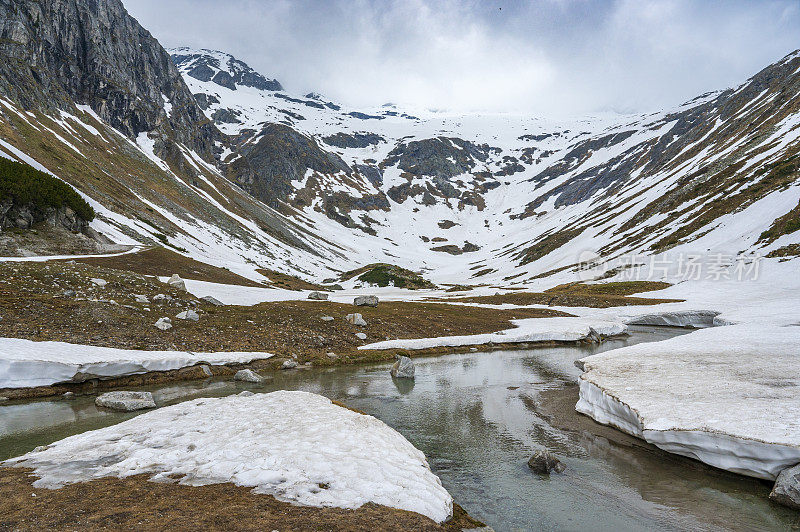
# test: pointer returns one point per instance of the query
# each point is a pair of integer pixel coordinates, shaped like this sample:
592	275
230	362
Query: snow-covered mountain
504	197
219	161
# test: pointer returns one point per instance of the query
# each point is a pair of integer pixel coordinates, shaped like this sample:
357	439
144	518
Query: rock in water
319	296
213	300
188	315
247	375
366	301
355	319
403	368
289	364
787	488
164	324
176	282
126	401
543	462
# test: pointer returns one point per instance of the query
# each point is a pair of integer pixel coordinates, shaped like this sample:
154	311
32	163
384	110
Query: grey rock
69	293
207	370
176	282
126	401
366	301
164	324
403	368
247	375
332	356
68	395
355	319
543	462
318	296
361	336
141	298
787	488
3	399
289	364
245	393
327	318
99	282
214	301
188	315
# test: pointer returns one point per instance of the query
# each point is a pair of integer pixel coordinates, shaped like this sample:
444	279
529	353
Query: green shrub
26	185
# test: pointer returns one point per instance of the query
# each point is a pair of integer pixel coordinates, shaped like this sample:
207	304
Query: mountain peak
221	68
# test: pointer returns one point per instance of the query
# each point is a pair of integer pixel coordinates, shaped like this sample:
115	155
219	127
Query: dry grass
134	503
162	262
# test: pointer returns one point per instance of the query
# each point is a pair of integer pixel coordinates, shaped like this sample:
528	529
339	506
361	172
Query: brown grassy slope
134	503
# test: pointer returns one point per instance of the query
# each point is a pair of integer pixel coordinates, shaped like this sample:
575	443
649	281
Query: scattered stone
141	298
99	282
3	399
164	324
247	375
69	293
68	395
327	318
355	319
318	296
246	393
403	368
787	488
207	370
366	301
361	336
543	462
473	349
335	287
126	401
176	282
332	355
213	300
289	364
189	315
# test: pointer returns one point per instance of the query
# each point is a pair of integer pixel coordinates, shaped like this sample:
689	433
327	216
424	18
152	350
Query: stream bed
478	417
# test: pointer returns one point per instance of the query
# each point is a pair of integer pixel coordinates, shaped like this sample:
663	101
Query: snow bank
24	363
527	330
296	446
727	396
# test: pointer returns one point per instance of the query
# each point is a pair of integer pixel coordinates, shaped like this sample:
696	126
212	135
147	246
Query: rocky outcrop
221	68
25	216
58	53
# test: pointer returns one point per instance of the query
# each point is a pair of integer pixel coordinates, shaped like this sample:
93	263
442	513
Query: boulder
164	324
366	301
787	488
176	282
213	300
126	401
361	336
247	375
289	364
403	368
355	319
543	462
318	296
189	315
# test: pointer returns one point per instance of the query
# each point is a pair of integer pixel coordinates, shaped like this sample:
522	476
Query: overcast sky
552	57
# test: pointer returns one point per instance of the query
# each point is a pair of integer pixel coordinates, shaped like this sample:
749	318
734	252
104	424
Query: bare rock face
543	462
787	488
126	401
58	52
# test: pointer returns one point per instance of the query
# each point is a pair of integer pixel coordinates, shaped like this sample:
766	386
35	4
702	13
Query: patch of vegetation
25	185
792	250
619	288
389	275
786	224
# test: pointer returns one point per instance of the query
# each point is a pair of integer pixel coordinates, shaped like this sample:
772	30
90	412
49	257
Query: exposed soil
161	262
602	295
134	503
